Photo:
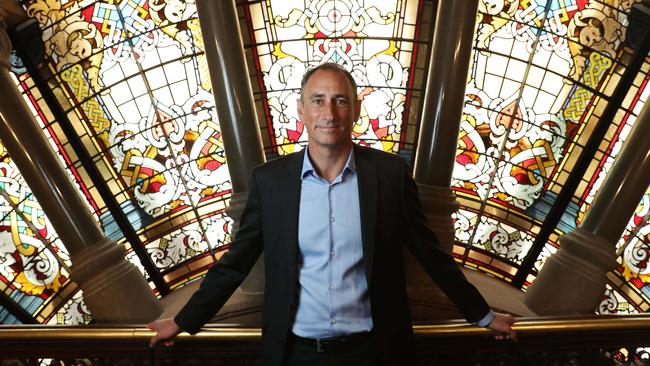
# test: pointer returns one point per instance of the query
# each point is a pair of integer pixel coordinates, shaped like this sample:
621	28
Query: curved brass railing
213	332
541	336
543	325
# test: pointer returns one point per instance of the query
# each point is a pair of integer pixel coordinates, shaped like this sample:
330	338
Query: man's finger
153	341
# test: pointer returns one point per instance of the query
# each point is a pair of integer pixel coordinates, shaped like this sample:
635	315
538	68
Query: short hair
328	66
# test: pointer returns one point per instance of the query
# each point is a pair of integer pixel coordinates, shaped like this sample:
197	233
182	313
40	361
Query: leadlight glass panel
539	79
73	312
33	262
619	133
504	244
632	277
375	40
188	242
132	78
615	303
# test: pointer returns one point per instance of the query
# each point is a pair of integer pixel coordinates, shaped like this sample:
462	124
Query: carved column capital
113	288
573	279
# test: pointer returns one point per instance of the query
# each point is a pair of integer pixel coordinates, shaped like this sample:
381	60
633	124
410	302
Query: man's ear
299	107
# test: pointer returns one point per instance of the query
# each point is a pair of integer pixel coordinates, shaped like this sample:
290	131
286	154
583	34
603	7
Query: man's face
329	109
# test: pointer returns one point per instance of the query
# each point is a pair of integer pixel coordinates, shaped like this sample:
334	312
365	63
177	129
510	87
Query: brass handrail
138	333
543	325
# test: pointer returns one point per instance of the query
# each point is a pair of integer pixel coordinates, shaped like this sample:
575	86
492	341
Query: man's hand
166	330
501	325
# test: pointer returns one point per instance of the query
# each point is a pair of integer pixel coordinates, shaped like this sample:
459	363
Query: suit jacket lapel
289	195
367	180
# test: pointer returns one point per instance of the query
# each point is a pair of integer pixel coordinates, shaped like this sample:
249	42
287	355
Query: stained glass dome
130	79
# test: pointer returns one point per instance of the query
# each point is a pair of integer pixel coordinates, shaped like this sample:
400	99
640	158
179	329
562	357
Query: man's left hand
501	325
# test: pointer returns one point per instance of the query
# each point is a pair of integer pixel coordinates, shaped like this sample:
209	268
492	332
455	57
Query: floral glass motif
135	70
31	254
537	74
518	127
492	236
632	277
373	39
614	303
188	242
133	80
73	312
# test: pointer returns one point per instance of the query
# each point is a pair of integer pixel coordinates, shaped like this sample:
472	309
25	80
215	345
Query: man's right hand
166	330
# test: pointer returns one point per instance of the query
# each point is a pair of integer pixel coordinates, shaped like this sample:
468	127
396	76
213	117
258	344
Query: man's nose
329	110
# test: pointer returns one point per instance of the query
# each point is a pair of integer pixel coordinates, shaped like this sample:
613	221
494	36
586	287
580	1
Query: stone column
114	289
572	280
443	107
224	49
439	128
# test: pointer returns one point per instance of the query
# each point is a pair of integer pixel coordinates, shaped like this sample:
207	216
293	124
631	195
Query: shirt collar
308	167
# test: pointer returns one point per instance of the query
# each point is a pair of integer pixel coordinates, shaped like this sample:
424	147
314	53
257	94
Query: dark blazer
391	217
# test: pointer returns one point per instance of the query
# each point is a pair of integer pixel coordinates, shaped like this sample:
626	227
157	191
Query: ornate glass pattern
58	141
140	95
188	242
505	245
73	312
632	277
639	95
539	78
132	78
614	303
33	260
374	40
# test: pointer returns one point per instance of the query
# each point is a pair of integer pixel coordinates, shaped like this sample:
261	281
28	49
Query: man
332	221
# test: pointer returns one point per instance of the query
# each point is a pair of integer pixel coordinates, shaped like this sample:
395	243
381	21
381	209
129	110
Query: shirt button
332	321
331	287
332	253
331	219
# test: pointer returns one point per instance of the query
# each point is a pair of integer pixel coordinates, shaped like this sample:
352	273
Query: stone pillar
443	108
572	280
114	289
224	49
439	128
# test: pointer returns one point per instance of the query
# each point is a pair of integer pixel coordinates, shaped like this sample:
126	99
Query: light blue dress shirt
333	292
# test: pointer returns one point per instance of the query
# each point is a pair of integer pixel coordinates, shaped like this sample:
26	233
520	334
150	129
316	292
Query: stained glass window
34	265
540	77
632	278
377	41
132	79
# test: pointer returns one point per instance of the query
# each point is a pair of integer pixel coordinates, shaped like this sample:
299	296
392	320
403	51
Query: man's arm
222	279
443	269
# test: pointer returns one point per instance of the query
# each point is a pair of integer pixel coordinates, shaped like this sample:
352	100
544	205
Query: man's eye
342	101
317	101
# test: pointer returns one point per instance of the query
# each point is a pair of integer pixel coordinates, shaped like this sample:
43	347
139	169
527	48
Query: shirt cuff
487	319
